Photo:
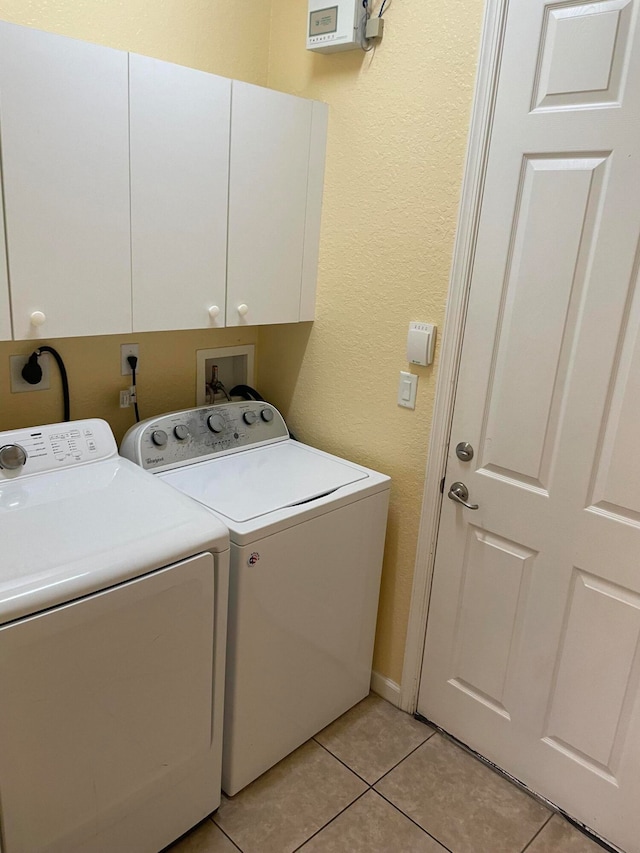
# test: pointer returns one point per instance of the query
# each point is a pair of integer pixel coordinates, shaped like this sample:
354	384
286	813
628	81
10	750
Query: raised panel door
533	641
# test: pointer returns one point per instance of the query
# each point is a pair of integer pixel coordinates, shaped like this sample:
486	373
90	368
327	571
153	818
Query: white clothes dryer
307	535
113	603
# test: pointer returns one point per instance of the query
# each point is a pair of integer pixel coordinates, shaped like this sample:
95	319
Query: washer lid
253	483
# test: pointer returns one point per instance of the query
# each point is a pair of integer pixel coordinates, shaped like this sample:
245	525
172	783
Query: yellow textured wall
398	125
397	136
224	37
227	37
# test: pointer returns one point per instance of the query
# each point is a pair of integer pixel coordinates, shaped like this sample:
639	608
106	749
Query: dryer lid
253	483
72	532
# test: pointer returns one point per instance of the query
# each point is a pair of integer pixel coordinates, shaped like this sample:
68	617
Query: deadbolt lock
464	451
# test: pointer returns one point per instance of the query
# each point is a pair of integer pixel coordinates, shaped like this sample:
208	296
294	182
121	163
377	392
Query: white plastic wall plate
421	340
18	385
407	389
125	351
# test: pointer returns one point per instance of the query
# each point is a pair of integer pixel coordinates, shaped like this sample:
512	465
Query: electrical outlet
125	351
125	399
18	385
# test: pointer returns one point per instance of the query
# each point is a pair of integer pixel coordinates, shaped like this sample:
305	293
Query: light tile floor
379	781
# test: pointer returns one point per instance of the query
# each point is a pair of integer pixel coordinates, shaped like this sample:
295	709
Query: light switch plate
407	388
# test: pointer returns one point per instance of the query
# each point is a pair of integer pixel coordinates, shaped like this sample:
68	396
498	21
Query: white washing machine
307	535
113	602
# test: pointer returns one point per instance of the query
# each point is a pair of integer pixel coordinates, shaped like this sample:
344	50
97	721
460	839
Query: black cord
64	379
133	361
32	373
247	393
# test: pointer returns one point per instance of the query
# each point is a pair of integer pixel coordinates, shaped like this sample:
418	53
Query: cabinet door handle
37	318
214	311
243	309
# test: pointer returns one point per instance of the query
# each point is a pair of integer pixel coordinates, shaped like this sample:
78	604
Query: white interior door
533	642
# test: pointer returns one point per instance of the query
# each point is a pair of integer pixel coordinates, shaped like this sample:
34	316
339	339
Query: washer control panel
181	438
54	446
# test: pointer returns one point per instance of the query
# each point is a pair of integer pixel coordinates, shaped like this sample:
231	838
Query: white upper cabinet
269	191
5	317
179	191
65	149
141	195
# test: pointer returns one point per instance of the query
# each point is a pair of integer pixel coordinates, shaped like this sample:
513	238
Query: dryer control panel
193	435
54	446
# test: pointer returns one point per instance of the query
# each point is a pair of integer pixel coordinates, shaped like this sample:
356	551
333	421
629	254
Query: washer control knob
266	415
215	423
249	417
12	457
159	437
181	432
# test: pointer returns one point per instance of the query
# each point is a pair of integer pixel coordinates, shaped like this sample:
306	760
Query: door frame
491	41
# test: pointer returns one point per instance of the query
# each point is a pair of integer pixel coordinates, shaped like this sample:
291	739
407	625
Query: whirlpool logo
253	559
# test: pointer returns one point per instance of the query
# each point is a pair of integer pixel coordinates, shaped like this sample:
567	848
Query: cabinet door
270	135
315	183
65	147
179	188
5	318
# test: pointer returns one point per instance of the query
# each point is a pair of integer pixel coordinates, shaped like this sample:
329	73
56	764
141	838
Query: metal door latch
459	493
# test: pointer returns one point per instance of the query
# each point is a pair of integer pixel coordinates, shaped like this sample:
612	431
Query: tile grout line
370	787
324	826
531	840
340	761
358	776
409	818
398	763
386	772
211	818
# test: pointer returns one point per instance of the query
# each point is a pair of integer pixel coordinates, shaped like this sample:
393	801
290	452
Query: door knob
460	494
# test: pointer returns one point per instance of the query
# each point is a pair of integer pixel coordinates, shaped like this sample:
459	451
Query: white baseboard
386	688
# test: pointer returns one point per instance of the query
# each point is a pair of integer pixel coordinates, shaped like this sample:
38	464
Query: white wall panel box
335	26
421	341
